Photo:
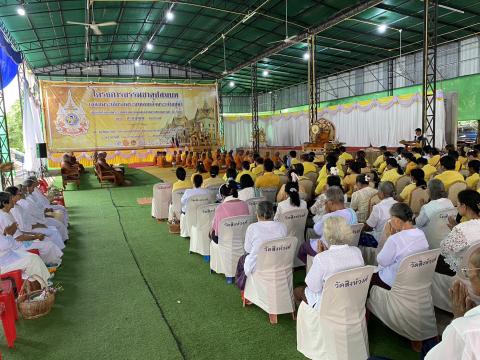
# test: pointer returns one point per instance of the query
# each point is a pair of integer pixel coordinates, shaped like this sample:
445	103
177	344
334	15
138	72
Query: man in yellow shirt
181	183
213	180
449	175
293	159
268	179
245	171
434	157
258	169
472	180
344	156
428	169
380	158
308	164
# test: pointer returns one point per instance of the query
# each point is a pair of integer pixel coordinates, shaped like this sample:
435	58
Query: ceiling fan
93	26
288	39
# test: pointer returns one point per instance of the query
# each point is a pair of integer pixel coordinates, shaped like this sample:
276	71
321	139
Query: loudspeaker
42	150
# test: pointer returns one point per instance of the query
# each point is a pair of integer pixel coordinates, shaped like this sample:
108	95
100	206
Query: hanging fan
93	26
288	39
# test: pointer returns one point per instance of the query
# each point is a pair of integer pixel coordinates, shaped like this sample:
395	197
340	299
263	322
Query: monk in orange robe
155	158
189	159
178	158
194	160
238	159
207	162
161	162
184	158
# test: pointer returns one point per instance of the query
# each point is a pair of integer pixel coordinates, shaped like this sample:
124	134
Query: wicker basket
34	309
174	228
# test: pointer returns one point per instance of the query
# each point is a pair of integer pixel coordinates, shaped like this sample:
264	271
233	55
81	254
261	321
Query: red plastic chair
7	301
43	185
16	277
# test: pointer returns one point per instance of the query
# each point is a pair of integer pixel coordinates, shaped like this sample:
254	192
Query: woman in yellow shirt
418	180
474	169
428	169
380	158
412	163
351	179
393	171
326	171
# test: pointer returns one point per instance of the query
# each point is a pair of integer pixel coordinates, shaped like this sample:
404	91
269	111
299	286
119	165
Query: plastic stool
16	277
8	313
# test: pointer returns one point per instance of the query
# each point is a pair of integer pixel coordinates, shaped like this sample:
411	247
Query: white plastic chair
213	190
357	231
177	202
337	329
162	197
269	194
231	238
270	286
407	308
199	240
437	228
454	189
188	219
295	221
252	206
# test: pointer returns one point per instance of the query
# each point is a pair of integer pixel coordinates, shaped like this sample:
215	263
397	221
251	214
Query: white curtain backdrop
32	131
378	122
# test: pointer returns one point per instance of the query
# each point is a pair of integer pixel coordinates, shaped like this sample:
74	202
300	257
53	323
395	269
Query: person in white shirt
197	190
248	190
37	211
361	197
256	235
31	265
464	234
381	211
406	240
334	206
461	339
438	202
49	252
43	200
337	234
25	221
318	208
292	203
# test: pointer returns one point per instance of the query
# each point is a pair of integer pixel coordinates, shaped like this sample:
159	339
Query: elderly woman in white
337	234
49	252
381	211
37	211
406	240
31	265
42	200
438	202
256	235
464	234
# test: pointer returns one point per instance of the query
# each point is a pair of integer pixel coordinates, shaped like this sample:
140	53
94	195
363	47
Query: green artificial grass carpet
133	291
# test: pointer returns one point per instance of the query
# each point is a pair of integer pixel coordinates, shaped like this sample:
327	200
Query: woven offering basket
174	228
34	309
